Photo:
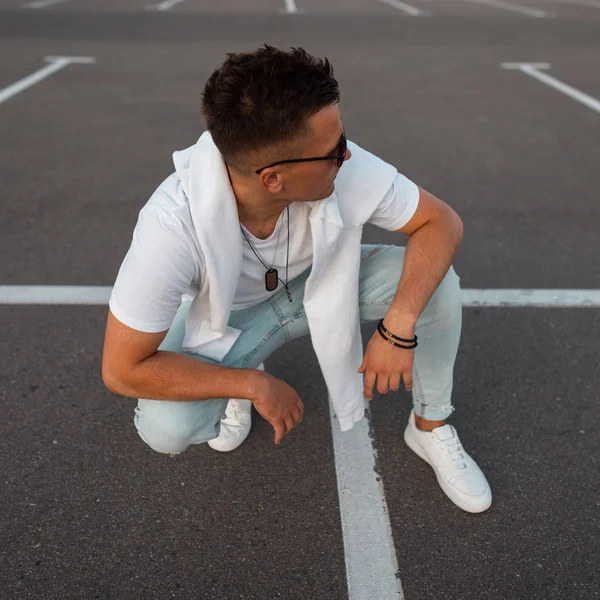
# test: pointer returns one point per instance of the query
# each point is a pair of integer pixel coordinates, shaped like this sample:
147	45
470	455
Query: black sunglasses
340	156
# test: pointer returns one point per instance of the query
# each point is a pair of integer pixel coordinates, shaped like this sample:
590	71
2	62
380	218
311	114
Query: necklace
272	278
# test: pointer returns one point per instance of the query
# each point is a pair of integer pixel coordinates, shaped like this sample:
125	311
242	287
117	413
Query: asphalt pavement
89	511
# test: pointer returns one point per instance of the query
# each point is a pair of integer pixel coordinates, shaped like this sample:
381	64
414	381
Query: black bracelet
383	328
387	339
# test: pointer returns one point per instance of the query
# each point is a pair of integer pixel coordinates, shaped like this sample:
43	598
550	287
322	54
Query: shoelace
235	412
455	450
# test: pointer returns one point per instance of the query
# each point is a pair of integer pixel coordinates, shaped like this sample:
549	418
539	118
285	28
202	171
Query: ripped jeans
171	426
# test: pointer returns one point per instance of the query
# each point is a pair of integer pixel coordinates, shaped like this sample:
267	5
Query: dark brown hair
261	98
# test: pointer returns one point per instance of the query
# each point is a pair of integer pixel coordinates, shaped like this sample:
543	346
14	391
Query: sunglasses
339	156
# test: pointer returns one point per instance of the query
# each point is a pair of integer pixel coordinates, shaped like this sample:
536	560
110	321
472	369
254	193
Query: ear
272	180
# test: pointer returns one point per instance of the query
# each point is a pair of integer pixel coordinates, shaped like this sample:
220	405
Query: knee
163	431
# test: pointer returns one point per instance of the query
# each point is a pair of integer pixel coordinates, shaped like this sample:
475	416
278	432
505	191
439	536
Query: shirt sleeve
398	206
156	271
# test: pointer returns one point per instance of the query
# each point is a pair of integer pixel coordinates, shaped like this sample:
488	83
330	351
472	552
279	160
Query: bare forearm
172	376
430	252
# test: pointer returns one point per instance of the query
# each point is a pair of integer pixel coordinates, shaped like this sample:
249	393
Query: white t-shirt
165	262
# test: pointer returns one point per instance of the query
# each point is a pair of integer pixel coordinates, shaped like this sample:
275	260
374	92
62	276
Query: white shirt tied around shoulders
188	243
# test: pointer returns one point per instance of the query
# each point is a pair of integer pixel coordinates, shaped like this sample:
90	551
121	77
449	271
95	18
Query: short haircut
260	99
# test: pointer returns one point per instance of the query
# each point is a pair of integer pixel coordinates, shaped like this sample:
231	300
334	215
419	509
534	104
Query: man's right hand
279	404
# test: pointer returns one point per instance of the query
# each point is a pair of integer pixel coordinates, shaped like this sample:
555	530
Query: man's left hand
387	364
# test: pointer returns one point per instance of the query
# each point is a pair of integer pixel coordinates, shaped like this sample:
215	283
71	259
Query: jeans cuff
432	412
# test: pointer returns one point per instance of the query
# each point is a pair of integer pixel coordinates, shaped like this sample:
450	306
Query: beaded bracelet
384	333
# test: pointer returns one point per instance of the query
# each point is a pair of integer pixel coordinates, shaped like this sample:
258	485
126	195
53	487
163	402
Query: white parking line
407	8
54	294
167	5
531	12
533	70
96	294
371	563
531	298
291	8
43	3
56	64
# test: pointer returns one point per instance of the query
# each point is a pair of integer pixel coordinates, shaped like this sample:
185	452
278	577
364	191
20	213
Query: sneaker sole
449	491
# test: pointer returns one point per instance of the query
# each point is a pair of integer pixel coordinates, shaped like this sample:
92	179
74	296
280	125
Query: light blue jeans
171	426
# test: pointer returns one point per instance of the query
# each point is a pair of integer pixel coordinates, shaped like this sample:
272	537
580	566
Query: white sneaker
236	424
457	473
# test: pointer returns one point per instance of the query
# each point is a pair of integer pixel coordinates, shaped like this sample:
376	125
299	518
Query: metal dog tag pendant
271	280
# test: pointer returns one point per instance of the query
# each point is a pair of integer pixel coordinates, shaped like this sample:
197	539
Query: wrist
400	322
255	383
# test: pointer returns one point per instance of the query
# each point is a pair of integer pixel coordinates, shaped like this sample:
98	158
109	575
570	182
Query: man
255	240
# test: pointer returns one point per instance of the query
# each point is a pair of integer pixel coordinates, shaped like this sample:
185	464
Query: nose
348	154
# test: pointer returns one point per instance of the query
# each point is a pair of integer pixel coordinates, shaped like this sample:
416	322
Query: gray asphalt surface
88	511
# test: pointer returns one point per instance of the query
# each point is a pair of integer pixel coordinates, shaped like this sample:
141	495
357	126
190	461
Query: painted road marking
407	8
54	294
56	64
43	3
290	8
167	5
531	12
533	70
96	294
369	552
532	298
